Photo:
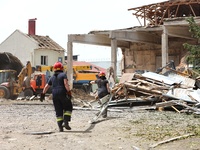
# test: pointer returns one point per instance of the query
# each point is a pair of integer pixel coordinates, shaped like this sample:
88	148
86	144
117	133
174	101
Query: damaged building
158	40
153	66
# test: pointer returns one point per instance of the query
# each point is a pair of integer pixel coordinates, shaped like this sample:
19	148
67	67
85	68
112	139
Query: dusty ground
31	125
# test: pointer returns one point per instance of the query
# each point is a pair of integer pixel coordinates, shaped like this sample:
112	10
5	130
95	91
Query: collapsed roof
157	12
45	42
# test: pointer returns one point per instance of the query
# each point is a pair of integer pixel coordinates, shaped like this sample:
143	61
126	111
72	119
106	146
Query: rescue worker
103	88
61	96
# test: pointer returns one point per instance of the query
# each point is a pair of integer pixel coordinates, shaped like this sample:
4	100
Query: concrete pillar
114	57
70	62
123	61
164	46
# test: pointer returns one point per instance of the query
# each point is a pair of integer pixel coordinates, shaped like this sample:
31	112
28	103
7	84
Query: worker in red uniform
61	96
103	88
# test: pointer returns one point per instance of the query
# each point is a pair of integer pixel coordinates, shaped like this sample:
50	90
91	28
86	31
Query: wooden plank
168	103
126	77
171	140
143	88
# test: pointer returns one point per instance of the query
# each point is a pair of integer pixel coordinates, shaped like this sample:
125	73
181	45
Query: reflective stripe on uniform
67	113
59	118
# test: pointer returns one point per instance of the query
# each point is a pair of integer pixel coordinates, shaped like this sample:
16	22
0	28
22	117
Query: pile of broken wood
173	91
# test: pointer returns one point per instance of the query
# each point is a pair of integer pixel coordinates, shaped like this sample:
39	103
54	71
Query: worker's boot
66	125
60	126
67	118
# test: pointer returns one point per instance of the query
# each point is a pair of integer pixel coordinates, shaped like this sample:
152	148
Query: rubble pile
174	90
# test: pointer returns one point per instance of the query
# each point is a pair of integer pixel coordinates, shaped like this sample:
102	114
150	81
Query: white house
39	50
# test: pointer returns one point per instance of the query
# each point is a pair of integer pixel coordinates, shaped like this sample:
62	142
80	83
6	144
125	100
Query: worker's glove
42	97
69	95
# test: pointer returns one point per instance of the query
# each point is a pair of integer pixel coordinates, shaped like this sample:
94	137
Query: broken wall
143	56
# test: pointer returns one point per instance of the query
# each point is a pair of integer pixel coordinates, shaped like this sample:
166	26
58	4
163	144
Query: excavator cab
7	75
7	80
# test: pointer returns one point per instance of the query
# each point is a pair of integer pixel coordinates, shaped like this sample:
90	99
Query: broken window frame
44	60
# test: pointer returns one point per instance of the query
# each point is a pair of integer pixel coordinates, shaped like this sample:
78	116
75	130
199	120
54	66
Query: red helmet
102	74
58	66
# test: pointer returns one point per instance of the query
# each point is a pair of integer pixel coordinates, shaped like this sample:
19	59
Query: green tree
193	56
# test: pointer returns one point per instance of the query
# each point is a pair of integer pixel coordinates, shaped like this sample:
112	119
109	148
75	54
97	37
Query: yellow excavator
14	78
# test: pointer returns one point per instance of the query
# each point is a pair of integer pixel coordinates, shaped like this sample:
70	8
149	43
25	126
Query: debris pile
175	91
81	98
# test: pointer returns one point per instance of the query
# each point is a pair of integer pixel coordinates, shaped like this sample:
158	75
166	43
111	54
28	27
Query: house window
60	59
44	60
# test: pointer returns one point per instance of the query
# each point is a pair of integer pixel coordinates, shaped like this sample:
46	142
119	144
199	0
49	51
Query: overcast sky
58	18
